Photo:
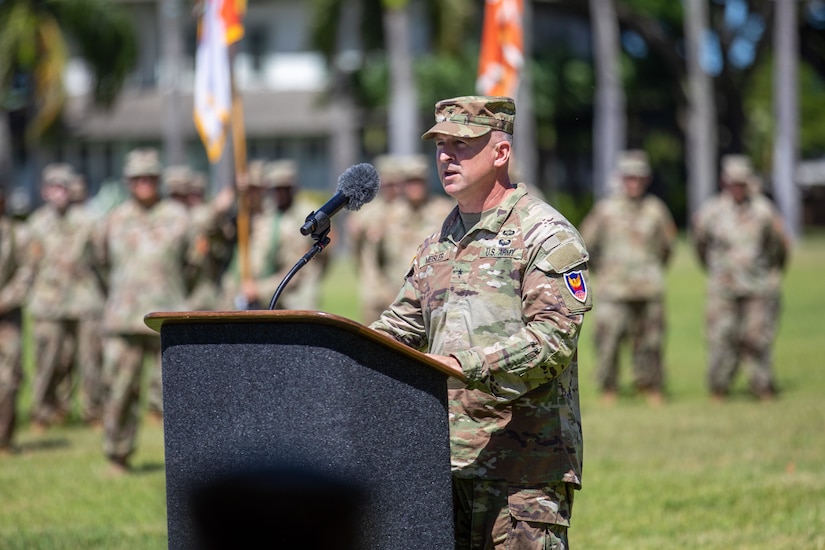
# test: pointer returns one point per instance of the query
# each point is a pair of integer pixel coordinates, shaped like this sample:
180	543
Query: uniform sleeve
404	320
18	275
555	296
667	234
700	236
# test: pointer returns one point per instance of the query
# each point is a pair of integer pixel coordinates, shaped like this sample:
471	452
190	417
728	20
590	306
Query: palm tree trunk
171	51
786	107
403	113
701	128
609	118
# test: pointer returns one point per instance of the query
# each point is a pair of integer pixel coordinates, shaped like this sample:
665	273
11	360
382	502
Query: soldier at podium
499	293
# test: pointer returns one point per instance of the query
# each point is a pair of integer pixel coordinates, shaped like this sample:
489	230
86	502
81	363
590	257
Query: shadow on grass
44	445
147	468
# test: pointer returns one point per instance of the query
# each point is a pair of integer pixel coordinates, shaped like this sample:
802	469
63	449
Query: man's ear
502	153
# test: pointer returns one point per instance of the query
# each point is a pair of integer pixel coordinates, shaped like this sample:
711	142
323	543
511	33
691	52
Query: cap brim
457	130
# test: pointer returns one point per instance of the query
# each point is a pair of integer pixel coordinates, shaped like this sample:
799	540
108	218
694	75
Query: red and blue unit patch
576	285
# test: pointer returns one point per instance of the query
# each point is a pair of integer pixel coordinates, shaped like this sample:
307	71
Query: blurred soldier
177	180
142	247
276	243
366	228
78	190
65	302
211	231
15	278
741	242
416	216
303	292
630	236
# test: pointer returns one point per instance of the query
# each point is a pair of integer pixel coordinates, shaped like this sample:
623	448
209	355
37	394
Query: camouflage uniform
275	245
406	225
15	279
65	303
366	228
143	250
743	247
630	238
505	299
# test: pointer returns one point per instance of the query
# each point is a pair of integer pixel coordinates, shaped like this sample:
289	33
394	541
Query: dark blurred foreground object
283	508
260	391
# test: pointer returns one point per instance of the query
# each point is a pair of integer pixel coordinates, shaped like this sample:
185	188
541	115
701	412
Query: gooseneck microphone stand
321	237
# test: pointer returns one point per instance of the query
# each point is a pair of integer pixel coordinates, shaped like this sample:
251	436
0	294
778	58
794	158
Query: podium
297	429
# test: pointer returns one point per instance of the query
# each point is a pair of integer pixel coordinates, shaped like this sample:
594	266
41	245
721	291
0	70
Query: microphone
357	186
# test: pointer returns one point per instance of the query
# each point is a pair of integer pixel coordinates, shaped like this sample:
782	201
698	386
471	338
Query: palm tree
34	51
609	117
386	26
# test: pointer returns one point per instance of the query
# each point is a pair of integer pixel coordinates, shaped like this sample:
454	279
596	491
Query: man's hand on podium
450	362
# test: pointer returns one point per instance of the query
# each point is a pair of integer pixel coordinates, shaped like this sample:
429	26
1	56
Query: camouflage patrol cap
255	173
737	169
198	183
634	163
415	167
177	179
280	173
58	173
142	162
472	116
389	168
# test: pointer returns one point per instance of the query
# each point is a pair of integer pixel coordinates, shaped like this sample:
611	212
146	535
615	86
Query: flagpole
239	150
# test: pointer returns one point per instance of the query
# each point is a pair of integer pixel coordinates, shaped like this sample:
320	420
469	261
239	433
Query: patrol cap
737	169
389	168
415	167
58	173
472	116
142	162
280	173
177	178
255	173
634	163
198	183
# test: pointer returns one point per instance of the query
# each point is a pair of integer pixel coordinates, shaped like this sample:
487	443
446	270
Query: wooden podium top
156	320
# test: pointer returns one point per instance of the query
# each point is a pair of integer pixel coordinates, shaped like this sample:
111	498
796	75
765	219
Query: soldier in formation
141	241
630	237
15	280
65	303
741	243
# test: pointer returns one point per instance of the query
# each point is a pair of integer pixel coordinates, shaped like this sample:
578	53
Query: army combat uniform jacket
742	246
630	242
507	300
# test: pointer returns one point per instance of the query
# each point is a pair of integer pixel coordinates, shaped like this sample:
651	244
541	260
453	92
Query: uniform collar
491	220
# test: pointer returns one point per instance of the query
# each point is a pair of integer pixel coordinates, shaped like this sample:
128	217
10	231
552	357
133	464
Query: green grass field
741	475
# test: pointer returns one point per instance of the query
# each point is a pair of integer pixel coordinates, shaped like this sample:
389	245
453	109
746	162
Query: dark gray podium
288	429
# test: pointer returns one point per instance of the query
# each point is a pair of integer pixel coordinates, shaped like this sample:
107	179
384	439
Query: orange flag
220	25
502	48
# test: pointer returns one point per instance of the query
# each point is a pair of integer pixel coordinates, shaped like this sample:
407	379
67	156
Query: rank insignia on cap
576	286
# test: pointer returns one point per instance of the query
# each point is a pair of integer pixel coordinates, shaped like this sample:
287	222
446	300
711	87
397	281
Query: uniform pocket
538	506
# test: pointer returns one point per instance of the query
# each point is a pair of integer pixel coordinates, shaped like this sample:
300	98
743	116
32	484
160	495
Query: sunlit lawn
742	475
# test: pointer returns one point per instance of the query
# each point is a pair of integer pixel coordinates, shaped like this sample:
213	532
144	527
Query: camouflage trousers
496	515
62	344
741	332
642	322
11	374
123	359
